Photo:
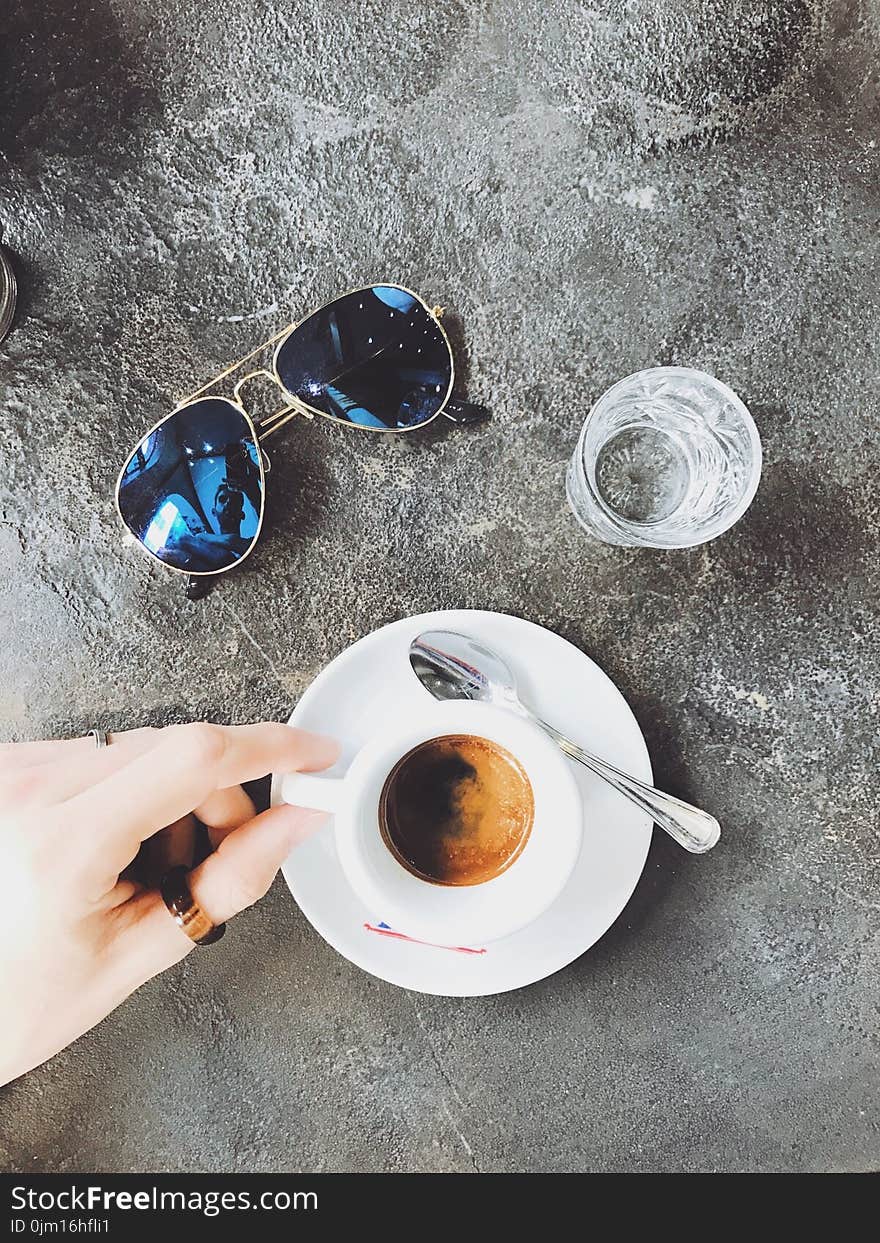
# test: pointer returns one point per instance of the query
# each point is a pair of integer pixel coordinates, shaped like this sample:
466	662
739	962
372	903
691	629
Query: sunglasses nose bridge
271	422
251	375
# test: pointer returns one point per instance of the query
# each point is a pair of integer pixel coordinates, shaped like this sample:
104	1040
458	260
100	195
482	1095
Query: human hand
75	939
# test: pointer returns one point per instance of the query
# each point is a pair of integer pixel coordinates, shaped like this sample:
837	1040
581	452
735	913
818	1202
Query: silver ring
101	737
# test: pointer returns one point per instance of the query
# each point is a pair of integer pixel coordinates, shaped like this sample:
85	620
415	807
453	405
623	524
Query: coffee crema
456	810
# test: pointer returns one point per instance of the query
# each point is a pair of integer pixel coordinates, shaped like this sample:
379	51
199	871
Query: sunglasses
192	492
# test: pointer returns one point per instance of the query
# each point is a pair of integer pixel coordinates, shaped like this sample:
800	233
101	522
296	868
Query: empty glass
667	458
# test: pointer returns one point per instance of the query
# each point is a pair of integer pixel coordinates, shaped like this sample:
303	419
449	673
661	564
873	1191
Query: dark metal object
465	413
8	295
198	586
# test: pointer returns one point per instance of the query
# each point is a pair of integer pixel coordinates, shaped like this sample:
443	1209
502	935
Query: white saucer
367	684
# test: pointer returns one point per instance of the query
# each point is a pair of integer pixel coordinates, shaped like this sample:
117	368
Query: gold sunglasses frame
295	407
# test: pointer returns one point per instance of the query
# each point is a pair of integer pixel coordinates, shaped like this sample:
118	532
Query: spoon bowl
452	666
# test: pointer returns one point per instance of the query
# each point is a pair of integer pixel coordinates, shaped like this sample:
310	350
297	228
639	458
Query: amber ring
186	912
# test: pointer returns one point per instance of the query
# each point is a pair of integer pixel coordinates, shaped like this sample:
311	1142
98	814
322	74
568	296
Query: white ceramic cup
448	914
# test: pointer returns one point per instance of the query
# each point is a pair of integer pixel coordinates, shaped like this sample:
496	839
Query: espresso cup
451	914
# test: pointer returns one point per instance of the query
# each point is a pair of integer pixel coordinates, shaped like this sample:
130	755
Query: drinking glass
667	458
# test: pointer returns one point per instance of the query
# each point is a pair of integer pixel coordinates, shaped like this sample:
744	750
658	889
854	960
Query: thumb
234	877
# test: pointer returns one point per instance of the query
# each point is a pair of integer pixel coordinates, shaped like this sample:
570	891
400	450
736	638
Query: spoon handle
696	830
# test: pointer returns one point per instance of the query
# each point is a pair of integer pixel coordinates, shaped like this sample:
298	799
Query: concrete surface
590	188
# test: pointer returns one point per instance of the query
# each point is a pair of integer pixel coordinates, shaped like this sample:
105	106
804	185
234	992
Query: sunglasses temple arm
199	585
465	413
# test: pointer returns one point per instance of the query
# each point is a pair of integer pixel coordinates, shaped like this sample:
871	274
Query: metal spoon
452	666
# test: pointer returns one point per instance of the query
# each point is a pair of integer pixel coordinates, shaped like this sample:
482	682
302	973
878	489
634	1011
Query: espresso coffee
456	810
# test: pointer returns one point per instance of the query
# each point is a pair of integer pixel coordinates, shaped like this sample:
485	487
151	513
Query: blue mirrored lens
375	358
192	491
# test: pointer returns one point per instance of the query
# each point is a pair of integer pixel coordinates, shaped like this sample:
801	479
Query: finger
73	769
245	863
189	764
224	811
18	755
175	845
123	891
234	877
42	785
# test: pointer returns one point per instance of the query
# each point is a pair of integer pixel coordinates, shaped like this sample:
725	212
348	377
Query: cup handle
307	790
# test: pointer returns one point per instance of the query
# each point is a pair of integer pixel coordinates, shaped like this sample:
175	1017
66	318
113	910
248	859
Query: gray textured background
590	188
